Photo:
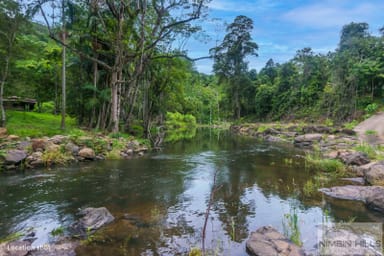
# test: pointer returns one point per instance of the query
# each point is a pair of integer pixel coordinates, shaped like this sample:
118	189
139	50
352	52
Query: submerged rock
268	241
91	220
372	196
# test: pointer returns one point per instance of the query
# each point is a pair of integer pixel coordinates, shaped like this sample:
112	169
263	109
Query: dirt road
372	129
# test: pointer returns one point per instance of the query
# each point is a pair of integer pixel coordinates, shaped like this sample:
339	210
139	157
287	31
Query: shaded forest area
116	66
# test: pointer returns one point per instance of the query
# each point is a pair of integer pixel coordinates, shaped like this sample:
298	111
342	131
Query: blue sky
283	27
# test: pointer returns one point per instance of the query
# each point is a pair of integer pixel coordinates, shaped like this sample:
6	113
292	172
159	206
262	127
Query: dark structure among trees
18	103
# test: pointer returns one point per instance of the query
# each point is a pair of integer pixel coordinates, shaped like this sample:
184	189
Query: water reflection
159	200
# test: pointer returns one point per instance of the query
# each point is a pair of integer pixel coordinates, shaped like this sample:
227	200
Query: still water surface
166	195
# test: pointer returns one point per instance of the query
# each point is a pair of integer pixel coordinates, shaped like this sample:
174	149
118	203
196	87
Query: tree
132	32
230	58
11	19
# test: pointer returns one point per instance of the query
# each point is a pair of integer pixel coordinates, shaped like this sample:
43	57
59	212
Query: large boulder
87	153
92	219
375	174
372	196
354	158
15	156
268	241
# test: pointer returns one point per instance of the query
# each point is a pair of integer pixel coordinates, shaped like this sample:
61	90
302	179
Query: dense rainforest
118	66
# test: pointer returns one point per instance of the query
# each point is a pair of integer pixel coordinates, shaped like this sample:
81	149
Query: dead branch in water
214	189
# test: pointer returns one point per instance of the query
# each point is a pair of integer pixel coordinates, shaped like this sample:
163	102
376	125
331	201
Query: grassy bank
33	124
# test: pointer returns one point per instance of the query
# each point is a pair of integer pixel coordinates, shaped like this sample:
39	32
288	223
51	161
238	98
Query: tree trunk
95	75
63	75
115	102
4	78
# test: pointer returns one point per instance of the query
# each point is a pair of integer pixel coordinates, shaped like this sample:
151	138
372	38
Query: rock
348	131
91	220
268	241
51	147
38	145
3	132
133	144
356	180
35	159
13	137
15	248
274	138
129	152
311	137
15	156
58	139
72	148
372	196
360	170
271	131
317	129
141	149
375	174
354	158
307	140
358	233
63	248
290	134
24	145
87	153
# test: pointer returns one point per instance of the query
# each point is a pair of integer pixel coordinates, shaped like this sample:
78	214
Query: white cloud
331	14
241	6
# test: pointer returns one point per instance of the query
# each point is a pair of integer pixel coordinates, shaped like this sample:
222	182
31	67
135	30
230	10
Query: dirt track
374	123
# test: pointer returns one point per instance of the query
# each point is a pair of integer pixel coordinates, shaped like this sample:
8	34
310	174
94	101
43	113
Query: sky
281	27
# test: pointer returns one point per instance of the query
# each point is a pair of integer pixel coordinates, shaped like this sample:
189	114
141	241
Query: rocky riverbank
332	143
17	153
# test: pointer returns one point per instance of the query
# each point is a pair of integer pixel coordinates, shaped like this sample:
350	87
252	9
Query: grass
57	231
370	132
316	162
32	124
11	237
373	152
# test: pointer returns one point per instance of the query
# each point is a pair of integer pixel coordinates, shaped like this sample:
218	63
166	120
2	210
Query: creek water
160	200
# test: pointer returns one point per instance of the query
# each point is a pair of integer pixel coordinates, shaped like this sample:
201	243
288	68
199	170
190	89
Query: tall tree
230	58
11	19
132	31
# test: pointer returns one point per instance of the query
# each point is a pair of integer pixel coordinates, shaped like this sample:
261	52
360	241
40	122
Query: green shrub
46	107
316	162
370	109
328	122
351	124
179	121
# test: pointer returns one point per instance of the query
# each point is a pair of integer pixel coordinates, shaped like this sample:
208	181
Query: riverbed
160	200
